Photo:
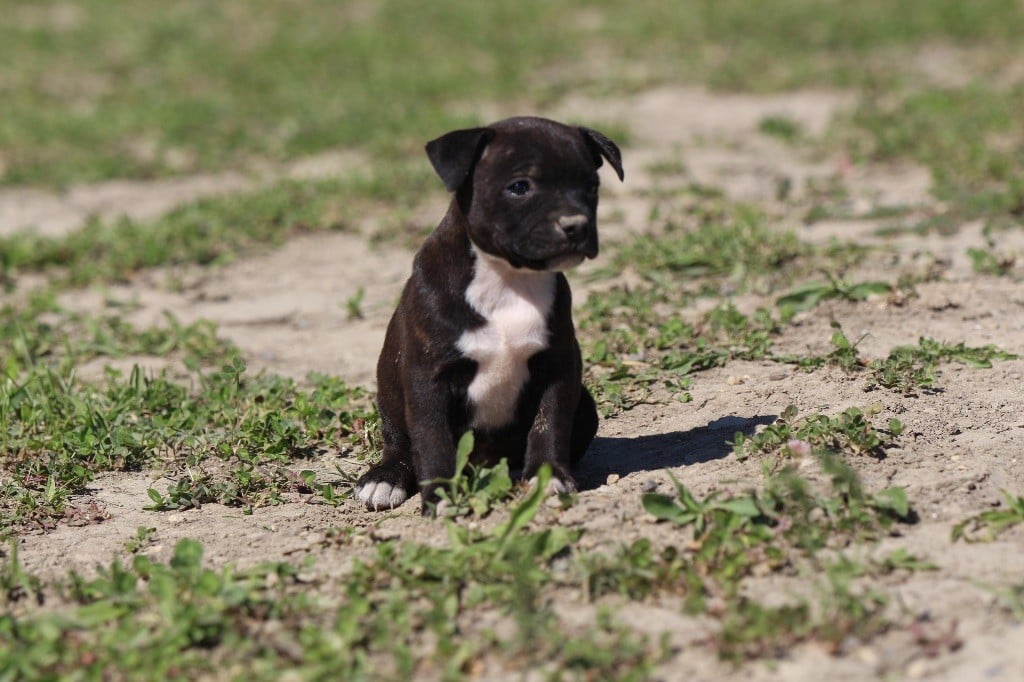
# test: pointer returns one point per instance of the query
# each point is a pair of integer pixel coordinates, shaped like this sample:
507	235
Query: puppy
483	337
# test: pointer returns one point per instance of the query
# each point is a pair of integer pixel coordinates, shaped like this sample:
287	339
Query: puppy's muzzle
576	228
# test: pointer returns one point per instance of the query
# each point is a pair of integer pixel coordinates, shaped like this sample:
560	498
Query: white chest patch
515	305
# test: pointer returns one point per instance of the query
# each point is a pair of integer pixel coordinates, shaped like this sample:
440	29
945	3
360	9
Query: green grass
777	528
221	436
781	127
848	432
407	606
906	369
102	89
970	138
989	524
403	608
989	261
215	231
40	331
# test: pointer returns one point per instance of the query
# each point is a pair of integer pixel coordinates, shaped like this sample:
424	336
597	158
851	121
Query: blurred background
101	89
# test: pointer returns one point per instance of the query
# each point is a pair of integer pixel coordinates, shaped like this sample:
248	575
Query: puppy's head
528	188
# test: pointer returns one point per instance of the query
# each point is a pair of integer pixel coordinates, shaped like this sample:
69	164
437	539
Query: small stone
649	486
917	669
868	656
612	479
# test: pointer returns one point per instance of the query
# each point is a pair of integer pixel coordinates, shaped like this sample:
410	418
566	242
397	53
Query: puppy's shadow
624	456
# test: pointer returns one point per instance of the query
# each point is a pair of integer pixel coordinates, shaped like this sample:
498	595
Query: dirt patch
55	213
963	444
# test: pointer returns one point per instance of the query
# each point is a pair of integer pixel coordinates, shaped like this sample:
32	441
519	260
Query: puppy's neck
496	285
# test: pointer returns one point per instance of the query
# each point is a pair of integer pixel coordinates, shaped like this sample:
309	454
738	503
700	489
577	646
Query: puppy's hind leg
584	426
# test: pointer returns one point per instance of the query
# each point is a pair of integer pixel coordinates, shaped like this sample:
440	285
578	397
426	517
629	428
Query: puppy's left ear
602	146
454	154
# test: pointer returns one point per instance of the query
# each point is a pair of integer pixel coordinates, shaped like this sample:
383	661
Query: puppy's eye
518	188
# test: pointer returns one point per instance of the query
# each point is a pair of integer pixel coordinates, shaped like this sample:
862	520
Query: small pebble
917	669
612	479
649	486
868	656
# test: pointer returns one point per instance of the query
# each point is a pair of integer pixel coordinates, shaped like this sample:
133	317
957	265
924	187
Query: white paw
442	508
381	495
556	486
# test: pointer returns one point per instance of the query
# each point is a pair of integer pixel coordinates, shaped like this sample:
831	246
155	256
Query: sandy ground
963	444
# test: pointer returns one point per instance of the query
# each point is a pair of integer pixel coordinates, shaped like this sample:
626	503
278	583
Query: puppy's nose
574	226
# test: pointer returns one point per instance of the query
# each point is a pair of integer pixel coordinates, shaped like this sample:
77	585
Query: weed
950	131
737	536
354	305
187	611
712	238
807	296
209	231
143	537
44	332
907	368
646	349
902	560
474	490
752	630
988	262
63	431
15	584
848	612
987	525
504	569
782	127
848	432
1012	598
637	571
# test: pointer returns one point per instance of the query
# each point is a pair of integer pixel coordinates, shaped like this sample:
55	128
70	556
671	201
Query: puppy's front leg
432	441
550	437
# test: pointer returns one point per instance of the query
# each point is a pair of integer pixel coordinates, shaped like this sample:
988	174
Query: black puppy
483	337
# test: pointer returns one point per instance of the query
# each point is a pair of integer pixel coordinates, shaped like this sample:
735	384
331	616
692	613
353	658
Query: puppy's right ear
454	154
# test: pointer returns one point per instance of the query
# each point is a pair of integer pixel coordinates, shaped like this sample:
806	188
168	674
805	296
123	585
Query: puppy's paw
557	485
385	487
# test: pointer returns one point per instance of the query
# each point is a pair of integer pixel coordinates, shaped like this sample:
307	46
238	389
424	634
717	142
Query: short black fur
423	378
